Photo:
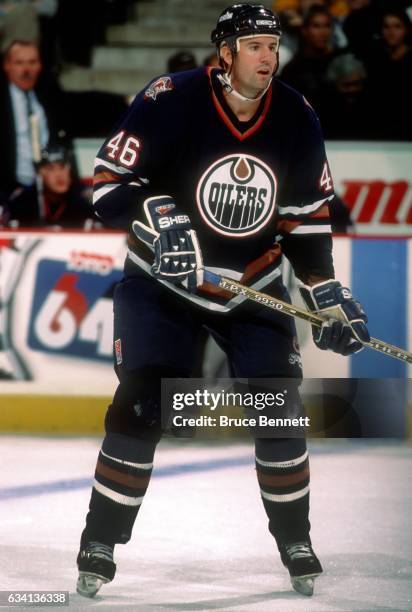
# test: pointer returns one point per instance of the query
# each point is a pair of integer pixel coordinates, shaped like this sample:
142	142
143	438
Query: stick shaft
36	154
293	311
35	137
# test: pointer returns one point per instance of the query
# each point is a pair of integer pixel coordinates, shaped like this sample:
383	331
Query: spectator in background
344	109
292	14
183	60
389	67
26	91
306	71
58	199
24	95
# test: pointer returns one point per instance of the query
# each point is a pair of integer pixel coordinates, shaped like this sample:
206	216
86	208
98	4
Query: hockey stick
314	319
267	300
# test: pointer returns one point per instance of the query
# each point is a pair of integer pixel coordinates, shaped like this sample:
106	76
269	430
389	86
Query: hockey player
218	169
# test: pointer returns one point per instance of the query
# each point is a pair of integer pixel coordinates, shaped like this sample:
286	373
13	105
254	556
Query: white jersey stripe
312	229
140	466
225	272
283	464
118	169
102	191
303	210
125	500
200	300
287	497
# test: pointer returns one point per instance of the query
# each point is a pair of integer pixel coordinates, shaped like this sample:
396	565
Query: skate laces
299	550
99	550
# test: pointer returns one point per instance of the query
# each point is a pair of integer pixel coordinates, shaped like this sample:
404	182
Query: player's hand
345	330
176	248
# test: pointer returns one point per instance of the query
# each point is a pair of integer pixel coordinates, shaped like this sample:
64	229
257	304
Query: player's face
254	65
22	66
393	31
56	177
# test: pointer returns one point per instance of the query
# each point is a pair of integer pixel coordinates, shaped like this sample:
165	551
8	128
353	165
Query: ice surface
201	541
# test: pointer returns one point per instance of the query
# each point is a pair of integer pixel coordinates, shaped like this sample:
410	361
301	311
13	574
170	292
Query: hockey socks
122	475
282	467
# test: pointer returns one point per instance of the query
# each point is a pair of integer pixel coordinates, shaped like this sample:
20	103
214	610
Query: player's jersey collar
240	129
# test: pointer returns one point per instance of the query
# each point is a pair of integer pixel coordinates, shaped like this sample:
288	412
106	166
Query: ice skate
303	566
96	567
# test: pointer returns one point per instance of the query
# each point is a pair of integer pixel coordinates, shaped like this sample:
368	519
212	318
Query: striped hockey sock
282	467
122	475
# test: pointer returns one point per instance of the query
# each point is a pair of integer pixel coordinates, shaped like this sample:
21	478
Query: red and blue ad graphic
72	312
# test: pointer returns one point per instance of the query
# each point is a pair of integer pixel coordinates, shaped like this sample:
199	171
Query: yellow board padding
52	414
85	415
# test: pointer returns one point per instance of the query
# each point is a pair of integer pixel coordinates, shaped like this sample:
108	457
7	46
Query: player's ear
226	54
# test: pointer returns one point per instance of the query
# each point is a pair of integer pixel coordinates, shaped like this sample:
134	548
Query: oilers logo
236	195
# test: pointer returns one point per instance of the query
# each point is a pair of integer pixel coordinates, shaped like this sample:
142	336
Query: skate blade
304	584
89	584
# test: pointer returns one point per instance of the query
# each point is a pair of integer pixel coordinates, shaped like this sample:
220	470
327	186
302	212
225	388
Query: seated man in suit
34	110
26	117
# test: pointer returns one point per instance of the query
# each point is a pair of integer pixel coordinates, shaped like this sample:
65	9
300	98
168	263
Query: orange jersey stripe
227	121
261	262
321	213
105	177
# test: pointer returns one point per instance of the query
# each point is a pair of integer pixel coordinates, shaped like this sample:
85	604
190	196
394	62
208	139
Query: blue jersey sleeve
303	215
129	158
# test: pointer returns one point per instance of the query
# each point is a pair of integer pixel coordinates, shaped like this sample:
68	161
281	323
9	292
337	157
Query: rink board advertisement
57	311
374	180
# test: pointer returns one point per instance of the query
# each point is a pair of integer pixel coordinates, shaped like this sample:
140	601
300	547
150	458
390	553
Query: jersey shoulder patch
158	86
176	82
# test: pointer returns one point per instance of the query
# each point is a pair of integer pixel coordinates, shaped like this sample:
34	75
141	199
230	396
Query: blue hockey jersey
252	190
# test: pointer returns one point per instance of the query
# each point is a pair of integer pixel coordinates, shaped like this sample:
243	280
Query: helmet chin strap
228	87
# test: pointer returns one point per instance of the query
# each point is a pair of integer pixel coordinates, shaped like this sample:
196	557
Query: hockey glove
345	330
177	253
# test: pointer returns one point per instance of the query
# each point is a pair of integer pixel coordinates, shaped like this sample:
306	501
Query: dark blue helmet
245	20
